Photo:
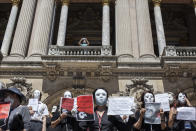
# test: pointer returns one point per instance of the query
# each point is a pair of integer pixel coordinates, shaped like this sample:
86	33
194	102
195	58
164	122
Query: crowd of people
24	118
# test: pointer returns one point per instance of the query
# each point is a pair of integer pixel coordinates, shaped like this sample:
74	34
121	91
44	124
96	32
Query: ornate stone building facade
134	45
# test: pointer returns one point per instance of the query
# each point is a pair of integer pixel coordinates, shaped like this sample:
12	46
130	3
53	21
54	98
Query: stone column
23	28
144	29
63	23
123	28
10	28
159	26
53	22
134	30
41	28
194	2
106	23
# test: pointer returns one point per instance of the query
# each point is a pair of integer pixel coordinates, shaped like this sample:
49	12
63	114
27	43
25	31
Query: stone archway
54	99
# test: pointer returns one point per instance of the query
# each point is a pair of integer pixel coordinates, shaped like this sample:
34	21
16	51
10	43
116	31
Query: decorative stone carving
170	51
138	87
157	2
106	50
15	2
22	84
53	71
105	72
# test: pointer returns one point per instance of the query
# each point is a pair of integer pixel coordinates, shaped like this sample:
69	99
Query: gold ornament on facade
194	2
65	2
106	2
15	2
156	2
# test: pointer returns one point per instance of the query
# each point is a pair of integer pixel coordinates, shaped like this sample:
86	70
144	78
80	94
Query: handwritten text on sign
85	104
67	103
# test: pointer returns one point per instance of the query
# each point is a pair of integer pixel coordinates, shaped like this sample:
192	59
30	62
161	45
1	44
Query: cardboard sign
120	106
85	108
67	103
4	110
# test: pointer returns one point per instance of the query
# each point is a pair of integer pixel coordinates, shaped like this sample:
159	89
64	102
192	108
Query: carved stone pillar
10	28
159	26
134	30
41	28
123	28
106	23
53	22
63	23
23	28
144	29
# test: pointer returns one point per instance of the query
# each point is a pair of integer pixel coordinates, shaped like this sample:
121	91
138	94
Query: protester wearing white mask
148	97
15	98
38	115
180	125
102	121
64	121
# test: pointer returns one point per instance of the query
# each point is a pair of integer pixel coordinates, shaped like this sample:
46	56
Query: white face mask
36	94
181	98
148	98
100	97
171	98
9	99
67	94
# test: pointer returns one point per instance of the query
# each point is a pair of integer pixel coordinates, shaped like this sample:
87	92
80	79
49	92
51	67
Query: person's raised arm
163	124
138	124
57	121
171	117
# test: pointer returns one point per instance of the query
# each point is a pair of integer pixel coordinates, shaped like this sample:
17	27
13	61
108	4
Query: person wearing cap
38	116
15	97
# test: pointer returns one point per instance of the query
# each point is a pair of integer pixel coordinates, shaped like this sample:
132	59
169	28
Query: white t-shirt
42	111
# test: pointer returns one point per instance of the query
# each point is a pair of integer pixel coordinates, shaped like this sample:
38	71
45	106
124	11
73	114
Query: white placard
120	105
164	100
34	104
186	113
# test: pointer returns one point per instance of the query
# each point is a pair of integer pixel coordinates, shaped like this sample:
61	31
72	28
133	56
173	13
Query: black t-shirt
145	126
181	125
107	123
67	124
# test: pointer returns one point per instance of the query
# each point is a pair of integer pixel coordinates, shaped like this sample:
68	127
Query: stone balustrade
79	51
179	51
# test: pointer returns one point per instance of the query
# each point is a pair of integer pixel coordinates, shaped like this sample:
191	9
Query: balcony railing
179	51
79	50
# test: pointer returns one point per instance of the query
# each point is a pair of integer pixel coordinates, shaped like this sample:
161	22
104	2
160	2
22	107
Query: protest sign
34	104
67	103
85	108
164	100
120	105
152	114
186	113
4	110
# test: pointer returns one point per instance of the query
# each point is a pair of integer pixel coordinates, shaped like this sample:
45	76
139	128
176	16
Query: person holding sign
65	121
38	115
18	112
148	111
180	125
102	121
